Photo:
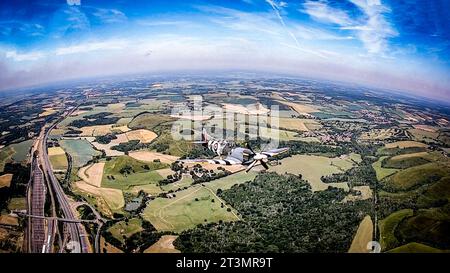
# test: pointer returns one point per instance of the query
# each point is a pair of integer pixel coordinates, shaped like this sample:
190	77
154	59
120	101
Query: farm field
415	176
405	144
416	248
80	150
149	156
273	133
6	219
428	226
21	150
297	124
107	247
388	226
124	172
227	182
404	161
122	228
59	162
363	236
55	151
126	182
105	147
423	135
380	171
365	193
6	154
111	198
5	180
47	112
300	108
437	191
185	181
100	130
249	109
149	121
17	203
152	189
143	135
163	245
92	174
183	211
313	167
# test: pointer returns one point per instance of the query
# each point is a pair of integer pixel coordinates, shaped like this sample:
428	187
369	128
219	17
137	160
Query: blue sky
396	44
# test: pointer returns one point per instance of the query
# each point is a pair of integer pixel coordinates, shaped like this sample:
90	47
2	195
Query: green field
313	167
152	189
186	181
149	121
416	248
17	203
388	226
429	226
380	171
422	135
122	228
227	182
5	156
80	150
272	133
167	144
437	191
405	161
69	119
137	173
184	212
21	150
138	108
59	162
415	176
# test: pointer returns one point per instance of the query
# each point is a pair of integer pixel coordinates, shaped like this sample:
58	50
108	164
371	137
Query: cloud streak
276	8
320	11
372	29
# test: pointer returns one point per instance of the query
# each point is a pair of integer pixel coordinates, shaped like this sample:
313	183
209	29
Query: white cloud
310	33
74	2
373	30
376	30
158	23
21	57
320	11
110	15
282	4
92	46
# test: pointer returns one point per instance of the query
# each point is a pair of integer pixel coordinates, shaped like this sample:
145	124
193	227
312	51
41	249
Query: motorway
40	235
76	232
36	233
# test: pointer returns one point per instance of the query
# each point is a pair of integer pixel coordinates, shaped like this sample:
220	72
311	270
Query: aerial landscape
107	148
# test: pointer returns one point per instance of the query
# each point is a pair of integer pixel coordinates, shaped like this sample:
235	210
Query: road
37	192
99	221
75	230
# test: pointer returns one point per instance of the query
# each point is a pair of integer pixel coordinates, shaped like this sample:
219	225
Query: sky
402	45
